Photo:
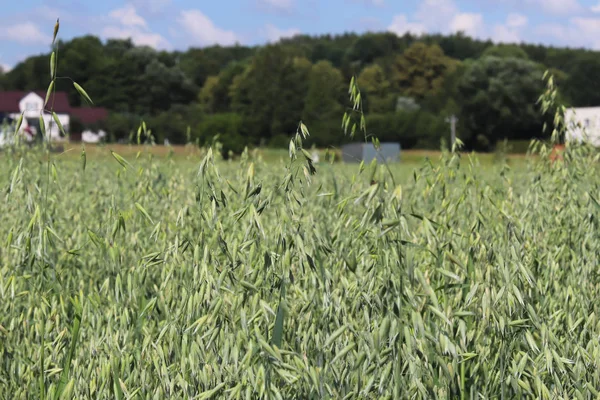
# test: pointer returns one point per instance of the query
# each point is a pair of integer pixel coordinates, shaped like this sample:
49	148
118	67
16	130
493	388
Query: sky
26	25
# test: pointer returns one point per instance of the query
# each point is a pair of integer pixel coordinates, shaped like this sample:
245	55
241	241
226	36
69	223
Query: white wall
588	119
88	136
31	105
52	129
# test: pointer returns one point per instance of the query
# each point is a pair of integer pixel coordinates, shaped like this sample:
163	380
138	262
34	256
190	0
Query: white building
583	125
30	104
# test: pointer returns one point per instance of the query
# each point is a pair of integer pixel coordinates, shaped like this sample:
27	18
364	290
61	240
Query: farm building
13	103
357	152
583	125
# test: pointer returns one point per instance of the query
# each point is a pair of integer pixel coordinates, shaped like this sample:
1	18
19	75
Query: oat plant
145	278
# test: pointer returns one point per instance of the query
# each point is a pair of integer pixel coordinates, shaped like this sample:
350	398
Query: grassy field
155	277
190	152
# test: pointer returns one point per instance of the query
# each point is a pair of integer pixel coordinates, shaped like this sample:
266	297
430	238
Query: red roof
9	101
89	115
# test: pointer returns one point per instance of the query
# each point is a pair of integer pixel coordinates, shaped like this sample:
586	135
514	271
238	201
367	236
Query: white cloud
515	20
400	25
51	13
128	16
551	31
504	34
138	37
587	26
469	23
278	6
203	31
596	8
153	6
24	32
126	23
577	32
511	30
5	67
436	13
438	16
443	16
585	32
559	7
274	34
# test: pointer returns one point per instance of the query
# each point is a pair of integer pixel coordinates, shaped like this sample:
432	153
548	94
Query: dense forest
257	95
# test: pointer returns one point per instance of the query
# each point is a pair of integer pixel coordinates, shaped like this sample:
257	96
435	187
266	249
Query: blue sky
26	25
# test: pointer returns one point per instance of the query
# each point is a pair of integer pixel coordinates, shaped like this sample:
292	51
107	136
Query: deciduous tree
421	70
499	98
379	96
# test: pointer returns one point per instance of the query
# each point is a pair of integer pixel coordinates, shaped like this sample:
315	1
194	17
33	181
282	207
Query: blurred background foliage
255	96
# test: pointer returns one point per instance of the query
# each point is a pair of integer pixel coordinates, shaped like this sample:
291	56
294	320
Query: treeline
257	95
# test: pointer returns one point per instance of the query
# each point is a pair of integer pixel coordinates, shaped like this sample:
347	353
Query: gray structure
357	152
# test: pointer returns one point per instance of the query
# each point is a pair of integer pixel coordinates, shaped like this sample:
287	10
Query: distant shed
357	152
583	125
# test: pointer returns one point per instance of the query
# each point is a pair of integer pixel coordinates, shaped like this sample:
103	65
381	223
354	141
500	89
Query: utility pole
452	120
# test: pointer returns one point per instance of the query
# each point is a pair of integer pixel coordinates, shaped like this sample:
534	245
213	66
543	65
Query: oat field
146	278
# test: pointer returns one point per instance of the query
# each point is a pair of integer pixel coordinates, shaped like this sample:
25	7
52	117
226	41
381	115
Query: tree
165	86
292	94
270	93
459	46
228	127
379	97
418	128
371	46
582	86
82	59
221	91
3	79
421	70
268	86
121	125
76	126
499	97
505	51
199	64
446	100
206	97
31	74
323	106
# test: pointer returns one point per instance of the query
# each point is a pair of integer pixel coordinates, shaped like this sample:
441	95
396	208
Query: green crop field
152	278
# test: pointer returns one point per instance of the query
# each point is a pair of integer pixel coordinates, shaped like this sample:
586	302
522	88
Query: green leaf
60	126
144	212
118	391
278	328
64	377
42	381
292	149
595	200
19	123
336	334
304	130
83	159
50	88
52	65
120	159
83	93
56	27
42	125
